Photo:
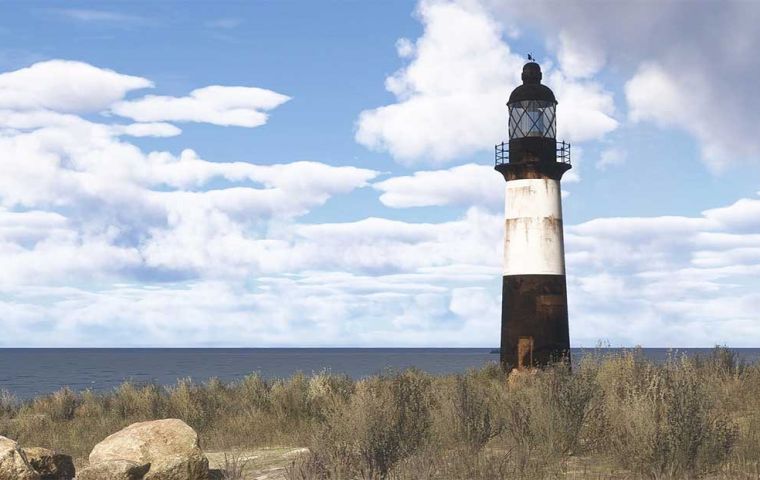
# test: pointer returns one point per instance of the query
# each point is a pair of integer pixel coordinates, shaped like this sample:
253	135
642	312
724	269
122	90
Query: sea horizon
27	372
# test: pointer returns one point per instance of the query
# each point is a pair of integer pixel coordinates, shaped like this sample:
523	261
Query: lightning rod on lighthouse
534	319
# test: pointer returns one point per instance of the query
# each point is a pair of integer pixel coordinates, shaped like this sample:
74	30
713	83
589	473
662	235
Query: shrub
386	420
662	425
681	418
8	404
58	407
470	413
234	467
133	402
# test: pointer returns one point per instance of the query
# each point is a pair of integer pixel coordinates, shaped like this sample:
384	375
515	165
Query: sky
297	173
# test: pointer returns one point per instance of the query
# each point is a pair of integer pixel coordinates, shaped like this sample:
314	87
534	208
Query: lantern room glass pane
532	118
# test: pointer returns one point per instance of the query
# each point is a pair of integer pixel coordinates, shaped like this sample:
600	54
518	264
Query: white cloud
158	129
324	303
89	15
585	111
690	281
451	96
452	93
611	157
30	226
653	94
687	281
106	244
741	216
404	47
579	59
219	105
65	86
464	185
227	23
693	78
124	212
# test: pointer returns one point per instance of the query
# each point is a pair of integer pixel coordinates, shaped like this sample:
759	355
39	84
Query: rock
170	446
49	464
114	470
13	462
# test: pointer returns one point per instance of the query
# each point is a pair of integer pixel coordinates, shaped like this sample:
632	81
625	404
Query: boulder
49	464
170	446
13	462
114	470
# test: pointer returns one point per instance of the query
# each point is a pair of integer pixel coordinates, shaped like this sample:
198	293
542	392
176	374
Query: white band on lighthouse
533	244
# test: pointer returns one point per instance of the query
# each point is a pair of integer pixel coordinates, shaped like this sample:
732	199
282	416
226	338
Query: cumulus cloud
219	105
464	185
120	211
578	59
167	236
696	77
655	95
371	282
654	281
676	280
155	129
611	157
340	306
89	15
586	111
227	23
65	86
451	95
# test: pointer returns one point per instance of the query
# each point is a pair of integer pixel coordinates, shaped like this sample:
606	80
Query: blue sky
319	173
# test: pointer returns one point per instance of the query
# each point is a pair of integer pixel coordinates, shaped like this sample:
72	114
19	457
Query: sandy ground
259	464
271	464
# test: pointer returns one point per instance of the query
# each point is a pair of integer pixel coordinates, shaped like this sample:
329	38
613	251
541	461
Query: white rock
170	446
13	462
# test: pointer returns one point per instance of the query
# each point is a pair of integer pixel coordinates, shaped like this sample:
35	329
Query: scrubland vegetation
618	416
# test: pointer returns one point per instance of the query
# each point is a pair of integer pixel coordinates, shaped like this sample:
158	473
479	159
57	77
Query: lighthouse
534	321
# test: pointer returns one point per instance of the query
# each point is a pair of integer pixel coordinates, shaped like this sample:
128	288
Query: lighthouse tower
534	325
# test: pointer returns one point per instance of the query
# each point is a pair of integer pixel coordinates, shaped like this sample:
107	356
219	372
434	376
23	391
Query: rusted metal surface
525	352
534	306
517	171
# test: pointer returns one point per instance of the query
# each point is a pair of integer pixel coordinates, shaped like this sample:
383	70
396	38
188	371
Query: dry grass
616	416
234	467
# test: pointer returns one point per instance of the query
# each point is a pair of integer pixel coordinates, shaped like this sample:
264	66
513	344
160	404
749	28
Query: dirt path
259	464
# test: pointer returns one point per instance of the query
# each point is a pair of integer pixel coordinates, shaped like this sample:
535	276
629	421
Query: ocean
26	373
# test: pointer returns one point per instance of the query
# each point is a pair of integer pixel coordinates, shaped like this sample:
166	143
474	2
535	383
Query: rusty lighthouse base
534	322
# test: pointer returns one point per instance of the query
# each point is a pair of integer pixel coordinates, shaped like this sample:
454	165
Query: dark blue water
29	372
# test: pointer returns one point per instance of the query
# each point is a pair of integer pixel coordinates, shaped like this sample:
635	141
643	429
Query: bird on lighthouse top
532	88
532	131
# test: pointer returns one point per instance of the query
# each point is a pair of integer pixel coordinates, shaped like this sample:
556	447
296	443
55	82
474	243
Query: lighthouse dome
532	89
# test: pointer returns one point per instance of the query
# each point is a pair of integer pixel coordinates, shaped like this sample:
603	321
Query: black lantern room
533	128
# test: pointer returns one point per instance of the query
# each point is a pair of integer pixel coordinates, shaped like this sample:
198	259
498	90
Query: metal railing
502	153
563	152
